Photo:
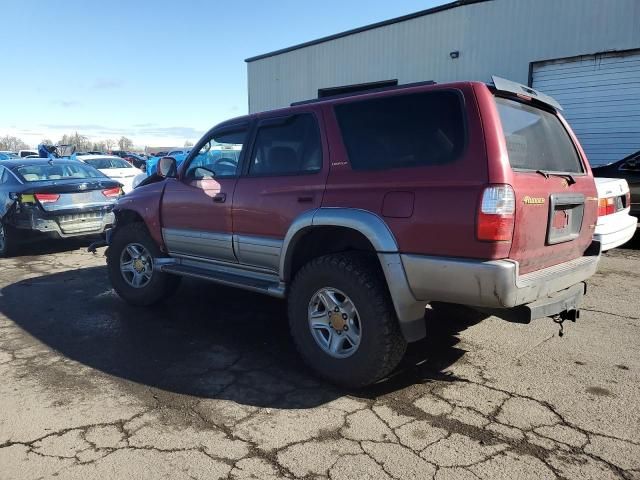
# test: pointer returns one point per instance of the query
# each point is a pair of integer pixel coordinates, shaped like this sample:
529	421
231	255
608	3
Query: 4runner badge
533	200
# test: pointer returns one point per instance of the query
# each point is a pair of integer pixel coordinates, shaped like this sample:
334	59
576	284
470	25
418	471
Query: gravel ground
209	386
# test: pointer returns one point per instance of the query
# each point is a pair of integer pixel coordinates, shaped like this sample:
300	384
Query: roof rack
364	91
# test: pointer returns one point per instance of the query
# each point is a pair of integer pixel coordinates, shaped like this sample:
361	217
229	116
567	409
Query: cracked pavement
208	385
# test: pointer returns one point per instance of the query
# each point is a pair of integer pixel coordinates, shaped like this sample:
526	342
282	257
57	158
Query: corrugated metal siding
601	98
500	37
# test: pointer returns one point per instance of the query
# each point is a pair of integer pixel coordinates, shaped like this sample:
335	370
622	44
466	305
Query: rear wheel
9	240
343	321
132	270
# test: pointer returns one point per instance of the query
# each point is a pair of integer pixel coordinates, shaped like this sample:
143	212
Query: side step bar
260	285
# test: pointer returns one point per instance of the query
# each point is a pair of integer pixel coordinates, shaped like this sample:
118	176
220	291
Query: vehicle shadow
40	245
206	341
634	243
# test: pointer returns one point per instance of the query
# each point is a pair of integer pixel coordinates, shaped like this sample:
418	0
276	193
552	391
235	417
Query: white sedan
615	226
113	167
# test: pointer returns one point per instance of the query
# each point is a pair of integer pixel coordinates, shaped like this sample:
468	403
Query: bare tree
81	142
109	144
99	146
188	143
125	143
9	142
46	141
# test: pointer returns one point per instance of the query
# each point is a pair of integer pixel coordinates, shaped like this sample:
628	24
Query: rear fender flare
410	311
368	223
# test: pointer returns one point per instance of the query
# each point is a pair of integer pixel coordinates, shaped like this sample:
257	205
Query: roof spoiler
504	85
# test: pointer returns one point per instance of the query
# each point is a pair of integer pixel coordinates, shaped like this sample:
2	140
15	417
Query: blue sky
160	72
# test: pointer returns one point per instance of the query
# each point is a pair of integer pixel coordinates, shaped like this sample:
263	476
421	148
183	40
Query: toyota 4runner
362	209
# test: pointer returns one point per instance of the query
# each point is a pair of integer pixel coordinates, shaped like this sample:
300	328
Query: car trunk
66	195
555	195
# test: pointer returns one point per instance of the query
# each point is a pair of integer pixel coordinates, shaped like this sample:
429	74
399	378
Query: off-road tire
382	345
11	243
160	286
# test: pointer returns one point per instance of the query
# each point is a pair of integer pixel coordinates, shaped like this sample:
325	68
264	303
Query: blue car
7	155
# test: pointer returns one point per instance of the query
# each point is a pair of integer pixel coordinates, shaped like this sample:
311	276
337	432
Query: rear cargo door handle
220	197
305	199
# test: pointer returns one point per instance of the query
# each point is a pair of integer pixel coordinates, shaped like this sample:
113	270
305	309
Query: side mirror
167	167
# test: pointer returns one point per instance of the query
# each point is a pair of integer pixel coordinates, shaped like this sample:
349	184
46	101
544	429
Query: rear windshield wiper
570	180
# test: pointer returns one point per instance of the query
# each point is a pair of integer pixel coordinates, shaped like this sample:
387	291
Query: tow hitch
560	318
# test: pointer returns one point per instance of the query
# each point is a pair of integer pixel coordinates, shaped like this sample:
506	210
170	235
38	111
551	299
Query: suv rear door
284	176
556	199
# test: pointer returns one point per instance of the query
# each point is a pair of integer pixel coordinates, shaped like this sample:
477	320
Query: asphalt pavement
208	385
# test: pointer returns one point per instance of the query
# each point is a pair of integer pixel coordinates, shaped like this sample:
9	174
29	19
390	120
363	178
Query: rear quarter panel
445	197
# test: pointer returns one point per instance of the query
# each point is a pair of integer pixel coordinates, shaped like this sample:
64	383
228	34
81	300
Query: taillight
627	200
112	192
606	206
496	215
47	197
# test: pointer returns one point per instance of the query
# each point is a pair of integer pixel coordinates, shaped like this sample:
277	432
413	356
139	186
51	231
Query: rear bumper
68	225
616	230
491	284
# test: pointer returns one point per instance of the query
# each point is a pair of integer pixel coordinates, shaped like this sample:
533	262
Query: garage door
600	95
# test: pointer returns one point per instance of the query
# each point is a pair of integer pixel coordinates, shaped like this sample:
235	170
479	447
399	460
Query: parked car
361	210
177	152
629	169
615	226
60	198
24	153
119	153
6	155
113	167
136	160
152	162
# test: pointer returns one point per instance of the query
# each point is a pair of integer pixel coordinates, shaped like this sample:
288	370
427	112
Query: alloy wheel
334	322
136	265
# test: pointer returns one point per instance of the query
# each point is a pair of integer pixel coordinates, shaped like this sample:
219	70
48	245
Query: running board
273	288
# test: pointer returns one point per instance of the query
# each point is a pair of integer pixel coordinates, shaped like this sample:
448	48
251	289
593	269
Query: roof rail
363	92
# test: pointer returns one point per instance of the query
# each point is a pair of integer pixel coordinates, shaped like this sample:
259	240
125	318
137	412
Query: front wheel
132	269
342	319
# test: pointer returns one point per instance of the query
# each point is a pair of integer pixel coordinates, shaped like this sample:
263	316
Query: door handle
220	197
305	199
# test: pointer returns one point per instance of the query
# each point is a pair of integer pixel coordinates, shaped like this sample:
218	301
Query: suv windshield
536	139
67	171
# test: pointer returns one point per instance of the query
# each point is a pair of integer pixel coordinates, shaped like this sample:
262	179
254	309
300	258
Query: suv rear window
413	130
536	139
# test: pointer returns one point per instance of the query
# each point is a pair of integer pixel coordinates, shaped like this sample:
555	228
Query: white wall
500	37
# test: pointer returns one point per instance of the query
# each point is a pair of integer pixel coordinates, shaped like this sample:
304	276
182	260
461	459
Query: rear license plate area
566	212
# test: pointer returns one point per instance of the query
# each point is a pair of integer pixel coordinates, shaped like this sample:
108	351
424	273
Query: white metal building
585	53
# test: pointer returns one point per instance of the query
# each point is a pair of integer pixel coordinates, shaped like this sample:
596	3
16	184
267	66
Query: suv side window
414	130
219	157
287	146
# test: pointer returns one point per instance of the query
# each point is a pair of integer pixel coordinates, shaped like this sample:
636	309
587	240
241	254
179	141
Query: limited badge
533	200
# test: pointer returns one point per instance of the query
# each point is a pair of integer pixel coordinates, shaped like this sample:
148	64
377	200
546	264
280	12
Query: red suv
362	209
